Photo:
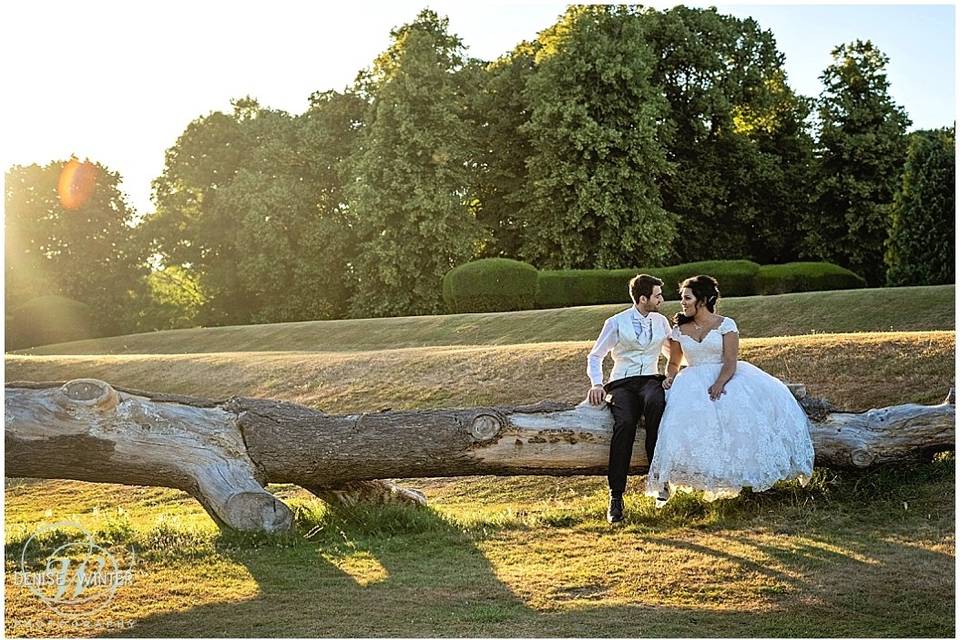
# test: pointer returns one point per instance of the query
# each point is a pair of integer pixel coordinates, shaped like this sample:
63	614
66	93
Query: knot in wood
89	392
485	427
862	457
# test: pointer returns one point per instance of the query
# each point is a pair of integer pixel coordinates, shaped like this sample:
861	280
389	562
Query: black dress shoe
615	510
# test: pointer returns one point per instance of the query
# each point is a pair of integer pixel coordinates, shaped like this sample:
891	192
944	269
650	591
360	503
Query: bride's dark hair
705	290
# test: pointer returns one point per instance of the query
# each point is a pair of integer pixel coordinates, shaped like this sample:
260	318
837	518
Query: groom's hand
595	395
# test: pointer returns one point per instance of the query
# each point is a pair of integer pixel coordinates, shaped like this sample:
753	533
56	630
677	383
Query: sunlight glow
77	182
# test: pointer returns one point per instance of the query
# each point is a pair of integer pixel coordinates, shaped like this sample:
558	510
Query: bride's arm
731	344
673	366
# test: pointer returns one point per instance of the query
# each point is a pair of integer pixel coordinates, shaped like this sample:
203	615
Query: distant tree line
620	136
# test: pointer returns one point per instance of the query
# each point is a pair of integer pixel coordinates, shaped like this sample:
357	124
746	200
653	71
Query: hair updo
705	291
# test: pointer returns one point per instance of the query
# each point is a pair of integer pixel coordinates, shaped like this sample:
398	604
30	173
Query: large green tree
193	227
593	198
500	112
68	233
861	151
735	132
922	246
296	235
410	174
251	207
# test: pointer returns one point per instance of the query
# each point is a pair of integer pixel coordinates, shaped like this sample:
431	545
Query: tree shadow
404	571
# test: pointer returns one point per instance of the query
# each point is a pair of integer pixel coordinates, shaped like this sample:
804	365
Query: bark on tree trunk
224	452
86	430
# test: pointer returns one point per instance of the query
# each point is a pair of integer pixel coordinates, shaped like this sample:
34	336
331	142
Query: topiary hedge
577	287
806	276
506	285
736	277
491	284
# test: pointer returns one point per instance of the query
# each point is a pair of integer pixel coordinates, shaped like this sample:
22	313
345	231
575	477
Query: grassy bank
900	309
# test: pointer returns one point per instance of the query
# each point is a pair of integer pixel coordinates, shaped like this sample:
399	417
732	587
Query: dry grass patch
855	371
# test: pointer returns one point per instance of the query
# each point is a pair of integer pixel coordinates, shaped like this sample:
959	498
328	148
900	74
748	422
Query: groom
636	336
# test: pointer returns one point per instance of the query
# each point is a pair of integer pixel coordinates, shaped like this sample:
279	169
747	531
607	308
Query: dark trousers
632	398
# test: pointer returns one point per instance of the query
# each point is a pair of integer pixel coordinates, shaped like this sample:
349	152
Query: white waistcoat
630	358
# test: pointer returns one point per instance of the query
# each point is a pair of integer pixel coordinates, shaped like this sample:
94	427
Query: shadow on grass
403	571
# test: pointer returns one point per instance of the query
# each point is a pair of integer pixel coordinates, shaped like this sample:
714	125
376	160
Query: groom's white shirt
631	357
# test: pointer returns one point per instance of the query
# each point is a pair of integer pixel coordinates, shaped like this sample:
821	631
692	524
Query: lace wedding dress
752	436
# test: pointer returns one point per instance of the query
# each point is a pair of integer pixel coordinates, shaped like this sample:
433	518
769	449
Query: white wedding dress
754	435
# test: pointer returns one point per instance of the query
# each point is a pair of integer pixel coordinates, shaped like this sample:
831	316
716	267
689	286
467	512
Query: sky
117	82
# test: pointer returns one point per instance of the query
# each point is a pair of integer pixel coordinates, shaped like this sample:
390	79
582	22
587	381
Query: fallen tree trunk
224	452
87	430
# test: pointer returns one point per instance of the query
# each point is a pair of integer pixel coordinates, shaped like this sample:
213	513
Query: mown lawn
853	554
850	555
896	309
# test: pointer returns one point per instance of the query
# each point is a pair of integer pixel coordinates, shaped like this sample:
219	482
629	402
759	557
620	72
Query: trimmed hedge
491	284
736	277
806	276
498	284
578	287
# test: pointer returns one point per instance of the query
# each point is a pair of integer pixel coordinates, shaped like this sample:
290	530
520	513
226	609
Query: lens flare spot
77	182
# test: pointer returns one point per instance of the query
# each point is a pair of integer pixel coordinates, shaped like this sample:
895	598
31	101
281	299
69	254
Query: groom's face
654	301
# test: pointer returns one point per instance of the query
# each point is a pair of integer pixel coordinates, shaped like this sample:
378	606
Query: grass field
852	554
899	309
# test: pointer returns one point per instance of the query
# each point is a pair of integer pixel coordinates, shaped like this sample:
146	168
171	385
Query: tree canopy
736	136
251	204
618	137
410	171
593	198
69	233
861	151
922	246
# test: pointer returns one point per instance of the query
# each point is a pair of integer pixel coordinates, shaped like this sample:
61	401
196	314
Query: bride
727	424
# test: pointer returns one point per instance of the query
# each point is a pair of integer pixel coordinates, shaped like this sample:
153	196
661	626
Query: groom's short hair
642	285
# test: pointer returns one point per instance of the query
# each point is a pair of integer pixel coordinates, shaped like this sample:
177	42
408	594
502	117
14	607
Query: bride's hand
667	383
715	390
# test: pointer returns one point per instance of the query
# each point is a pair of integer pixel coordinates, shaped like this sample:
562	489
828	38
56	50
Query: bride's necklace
701	333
